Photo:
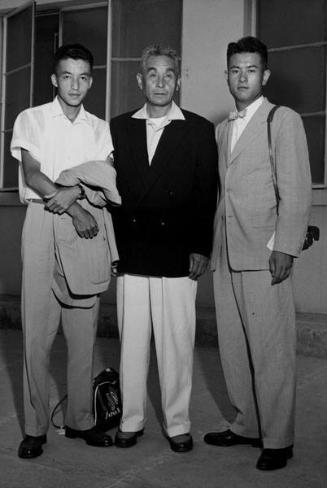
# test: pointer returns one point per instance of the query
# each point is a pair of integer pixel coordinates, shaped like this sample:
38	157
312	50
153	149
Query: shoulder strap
271	155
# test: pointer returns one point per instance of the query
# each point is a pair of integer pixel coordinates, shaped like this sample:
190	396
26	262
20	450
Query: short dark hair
73	51
158	50
248	45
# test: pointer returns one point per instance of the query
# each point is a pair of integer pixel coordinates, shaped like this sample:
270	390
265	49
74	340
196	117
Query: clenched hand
280	265
198	265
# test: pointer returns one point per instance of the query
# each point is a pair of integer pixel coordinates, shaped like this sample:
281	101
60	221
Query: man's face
246	77
73	80
159	81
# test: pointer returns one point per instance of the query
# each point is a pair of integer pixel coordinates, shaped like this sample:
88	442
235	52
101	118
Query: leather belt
35	200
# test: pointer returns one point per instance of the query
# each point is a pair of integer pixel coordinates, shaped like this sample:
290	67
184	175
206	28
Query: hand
63	199
114	268
280	265
198	265
84	223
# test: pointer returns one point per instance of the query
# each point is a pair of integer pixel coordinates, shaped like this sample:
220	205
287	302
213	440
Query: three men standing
166	163
166	160
256	240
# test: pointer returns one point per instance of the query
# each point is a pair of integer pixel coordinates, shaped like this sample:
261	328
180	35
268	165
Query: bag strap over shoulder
271	154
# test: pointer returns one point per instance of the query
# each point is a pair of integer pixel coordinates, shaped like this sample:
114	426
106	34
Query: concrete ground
68	463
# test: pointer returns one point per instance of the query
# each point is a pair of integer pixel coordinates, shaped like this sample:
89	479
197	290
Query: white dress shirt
155	126
239	124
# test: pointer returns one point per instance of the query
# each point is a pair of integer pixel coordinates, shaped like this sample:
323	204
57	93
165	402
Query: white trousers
166	306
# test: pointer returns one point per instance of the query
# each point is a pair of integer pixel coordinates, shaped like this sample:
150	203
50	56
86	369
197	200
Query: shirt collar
252	108
174	113
57	111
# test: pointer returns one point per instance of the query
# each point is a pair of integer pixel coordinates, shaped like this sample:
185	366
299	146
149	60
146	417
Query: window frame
4	192
87	6
61	7
253	9
4	74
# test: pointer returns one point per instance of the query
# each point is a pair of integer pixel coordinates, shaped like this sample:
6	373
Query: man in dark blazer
166	163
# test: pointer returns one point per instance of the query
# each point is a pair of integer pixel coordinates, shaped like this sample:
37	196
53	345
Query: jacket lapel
173	134
223	137
251	131
136	138
171	137
227	142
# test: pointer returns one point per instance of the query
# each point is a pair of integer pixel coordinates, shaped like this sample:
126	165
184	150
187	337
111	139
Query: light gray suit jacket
247	201
86	263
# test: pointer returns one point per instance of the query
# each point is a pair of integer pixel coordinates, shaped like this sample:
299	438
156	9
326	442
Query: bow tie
236	115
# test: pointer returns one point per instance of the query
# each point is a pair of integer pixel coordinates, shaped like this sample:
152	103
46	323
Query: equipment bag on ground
107	406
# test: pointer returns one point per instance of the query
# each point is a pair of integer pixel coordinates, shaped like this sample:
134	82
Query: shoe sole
289	455
185	446
122	444
72	435
23	455
98	445
279	466
226	444
176	448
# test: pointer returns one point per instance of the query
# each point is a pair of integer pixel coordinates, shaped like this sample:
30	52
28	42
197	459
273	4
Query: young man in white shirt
47	140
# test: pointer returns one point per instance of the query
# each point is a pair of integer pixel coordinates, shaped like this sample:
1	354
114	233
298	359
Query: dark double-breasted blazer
167	207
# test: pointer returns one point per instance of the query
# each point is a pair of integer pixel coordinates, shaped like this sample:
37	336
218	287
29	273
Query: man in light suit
166	163
256	241
66	250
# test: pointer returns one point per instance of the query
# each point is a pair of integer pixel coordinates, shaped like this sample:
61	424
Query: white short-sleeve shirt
56	142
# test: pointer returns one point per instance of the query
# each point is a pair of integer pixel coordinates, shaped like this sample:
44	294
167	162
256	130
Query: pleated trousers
165	306
42	313
257	343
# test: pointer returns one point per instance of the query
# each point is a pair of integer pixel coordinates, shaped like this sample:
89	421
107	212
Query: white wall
310	272
208	26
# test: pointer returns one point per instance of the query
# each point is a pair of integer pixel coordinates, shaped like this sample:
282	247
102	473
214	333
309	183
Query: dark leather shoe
181	443
271	459
227	438
92	437
31	446
127	439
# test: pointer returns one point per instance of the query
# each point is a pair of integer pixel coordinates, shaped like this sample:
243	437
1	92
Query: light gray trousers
41	316
257	343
